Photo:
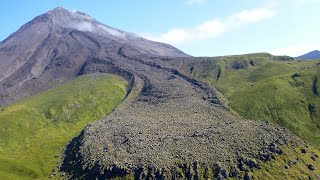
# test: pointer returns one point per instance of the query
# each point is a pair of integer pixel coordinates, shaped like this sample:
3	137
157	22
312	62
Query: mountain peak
61	13
59	10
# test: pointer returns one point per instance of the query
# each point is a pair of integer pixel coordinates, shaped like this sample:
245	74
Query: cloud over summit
213	28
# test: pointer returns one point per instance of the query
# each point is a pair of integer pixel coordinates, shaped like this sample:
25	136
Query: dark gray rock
252	164
247	176
265	156
234	172
243	167
303	151
275	149
197	134
220	177
222	172
311	167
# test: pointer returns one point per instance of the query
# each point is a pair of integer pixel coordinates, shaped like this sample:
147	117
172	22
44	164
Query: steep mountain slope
310	55
169	126
54	46
266	87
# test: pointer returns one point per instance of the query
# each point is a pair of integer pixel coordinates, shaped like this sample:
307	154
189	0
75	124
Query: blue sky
198	27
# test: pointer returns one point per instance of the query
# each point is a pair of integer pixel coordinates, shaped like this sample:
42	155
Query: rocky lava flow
175	127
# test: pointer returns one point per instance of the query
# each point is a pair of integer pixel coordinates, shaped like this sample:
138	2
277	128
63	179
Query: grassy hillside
291	165
33	132
265	87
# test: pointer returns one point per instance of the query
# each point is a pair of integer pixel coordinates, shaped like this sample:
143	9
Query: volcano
169	126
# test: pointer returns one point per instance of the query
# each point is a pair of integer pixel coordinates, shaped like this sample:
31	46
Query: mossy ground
292	165
264	87
33	132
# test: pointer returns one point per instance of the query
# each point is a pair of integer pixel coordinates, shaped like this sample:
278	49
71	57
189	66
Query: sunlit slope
266	87
33	132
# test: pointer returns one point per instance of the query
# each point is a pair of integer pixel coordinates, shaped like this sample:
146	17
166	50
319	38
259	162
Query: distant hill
310	56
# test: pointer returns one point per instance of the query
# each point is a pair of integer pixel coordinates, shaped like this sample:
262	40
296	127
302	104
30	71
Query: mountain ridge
312	55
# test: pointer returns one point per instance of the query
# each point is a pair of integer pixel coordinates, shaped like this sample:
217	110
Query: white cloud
213	28
197	2
96	28
113	32
83	26
251	16
208	29
296	49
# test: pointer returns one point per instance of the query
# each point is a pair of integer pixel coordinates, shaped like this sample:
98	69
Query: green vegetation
292	165
266	87
33	132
